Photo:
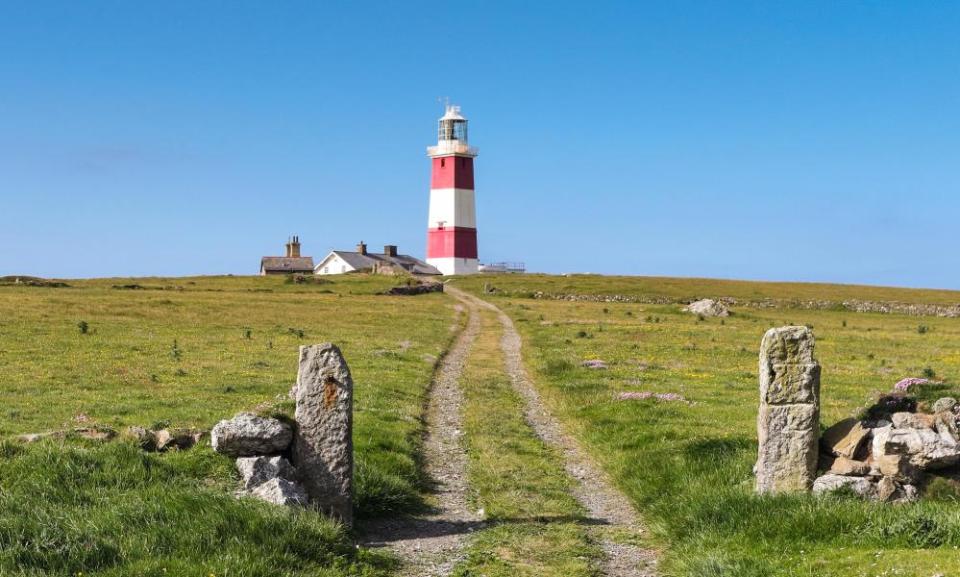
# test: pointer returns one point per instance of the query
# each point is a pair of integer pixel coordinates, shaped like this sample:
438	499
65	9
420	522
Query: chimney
289	247
294	248
390	250
362	248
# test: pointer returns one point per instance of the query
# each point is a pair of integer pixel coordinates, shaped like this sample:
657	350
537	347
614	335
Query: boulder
708	308
860	485
255	471
247	435
168	439
912	421
845	438
897	467
890	490
925	448
281	492
323	448
944	404
144	438
845	466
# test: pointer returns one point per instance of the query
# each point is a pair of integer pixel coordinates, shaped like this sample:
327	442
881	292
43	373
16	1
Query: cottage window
326	270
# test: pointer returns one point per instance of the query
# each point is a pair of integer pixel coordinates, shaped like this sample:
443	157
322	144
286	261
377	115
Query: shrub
929	373
922	329
84	327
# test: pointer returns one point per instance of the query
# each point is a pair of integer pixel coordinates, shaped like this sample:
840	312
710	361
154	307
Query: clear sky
762	140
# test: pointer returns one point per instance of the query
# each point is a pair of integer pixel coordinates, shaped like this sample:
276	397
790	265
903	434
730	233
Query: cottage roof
287	263
371	259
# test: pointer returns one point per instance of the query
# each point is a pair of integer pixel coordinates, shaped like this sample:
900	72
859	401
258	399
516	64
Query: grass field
687	466
191	351
682	289
188	352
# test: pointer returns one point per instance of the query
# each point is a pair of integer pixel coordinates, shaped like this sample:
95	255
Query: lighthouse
452	224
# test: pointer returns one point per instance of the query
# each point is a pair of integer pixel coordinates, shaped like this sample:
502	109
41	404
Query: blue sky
763	140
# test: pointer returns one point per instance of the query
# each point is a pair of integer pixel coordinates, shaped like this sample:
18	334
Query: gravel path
431	545
605	504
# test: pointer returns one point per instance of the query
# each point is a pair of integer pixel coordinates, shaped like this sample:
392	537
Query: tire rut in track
431	545
605	504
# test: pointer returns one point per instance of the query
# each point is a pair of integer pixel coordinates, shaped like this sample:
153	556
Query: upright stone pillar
323	444
788	425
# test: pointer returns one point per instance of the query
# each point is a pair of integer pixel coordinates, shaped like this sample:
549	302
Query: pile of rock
258	444
311	460
885	458
708	308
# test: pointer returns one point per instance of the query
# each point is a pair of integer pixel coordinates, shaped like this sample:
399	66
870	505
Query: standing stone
323	445
789	420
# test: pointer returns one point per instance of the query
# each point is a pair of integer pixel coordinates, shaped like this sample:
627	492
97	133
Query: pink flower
903	385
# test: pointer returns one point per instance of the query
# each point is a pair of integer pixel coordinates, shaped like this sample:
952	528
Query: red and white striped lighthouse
452	226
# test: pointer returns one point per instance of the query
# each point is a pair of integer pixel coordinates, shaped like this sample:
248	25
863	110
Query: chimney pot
362	248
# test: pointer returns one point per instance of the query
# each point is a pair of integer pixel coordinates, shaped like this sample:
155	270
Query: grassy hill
687	464
188	352
685	289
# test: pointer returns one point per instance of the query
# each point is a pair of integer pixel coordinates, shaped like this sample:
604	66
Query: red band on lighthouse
452	172
452	242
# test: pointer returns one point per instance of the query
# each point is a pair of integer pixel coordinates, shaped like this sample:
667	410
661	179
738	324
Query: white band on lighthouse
452	207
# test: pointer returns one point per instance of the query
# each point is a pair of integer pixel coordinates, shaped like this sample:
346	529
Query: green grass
683	289
536	525
113	510
688	466
236	349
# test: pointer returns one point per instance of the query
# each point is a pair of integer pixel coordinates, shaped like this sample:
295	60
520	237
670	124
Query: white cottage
387	262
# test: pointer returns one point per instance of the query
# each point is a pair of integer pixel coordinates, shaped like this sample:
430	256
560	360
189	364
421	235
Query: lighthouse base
455	265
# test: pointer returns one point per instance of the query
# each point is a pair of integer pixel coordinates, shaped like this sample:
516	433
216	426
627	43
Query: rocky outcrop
415	289
708	308
845	439
323	447
925	447
248	435
789	418
891	456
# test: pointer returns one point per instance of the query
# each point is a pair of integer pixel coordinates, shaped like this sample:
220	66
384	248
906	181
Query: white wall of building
332	264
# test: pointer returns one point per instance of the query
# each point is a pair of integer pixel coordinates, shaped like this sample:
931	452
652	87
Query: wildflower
594	364
904	385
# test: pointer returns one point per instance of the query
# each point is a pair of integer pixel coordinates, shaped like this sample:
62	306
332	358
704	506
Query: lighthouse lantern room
452	226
